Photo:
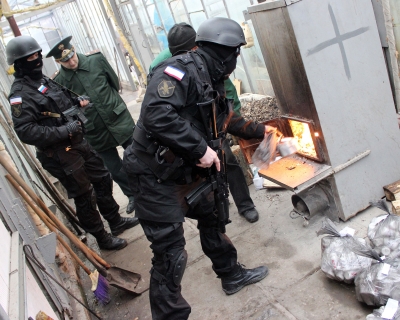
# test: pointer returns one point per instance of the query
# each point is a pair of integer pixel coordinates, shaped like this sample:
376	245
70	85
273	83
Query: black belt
144	139
162	172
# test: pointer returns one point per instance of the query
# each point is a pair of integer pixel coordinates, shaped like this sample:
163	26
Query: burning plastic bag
381	281
338	260
384	232
266	151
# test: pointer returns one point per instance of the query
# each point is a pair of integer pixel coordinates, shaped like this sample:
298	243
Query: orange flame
302	134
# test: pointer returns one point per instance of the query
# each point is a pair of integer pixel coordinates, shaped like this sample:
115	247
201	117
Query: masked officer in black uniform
169	157
37	106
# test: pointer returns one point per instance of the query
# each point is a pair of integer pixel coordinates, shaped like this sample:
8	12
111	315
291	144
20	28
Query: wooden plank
268	184
17	290
392	189
396	207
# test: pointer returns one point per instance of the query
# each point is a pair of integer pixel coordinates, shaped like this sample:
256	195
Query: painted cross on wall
338	39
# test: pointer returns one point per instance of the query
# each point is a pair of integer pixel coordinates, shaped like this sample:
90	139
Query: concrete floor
294	289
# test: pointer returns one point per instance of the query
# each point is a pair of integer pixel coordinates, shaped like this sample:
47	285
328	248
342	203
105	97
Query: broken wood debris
392	193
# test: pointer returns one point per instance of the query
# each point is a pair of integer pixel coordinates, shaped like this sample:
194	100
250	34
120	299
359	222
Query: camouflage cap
62	51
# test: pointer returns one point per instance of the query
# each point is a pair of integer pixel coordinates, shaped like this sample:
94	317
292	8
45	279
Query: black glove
74	128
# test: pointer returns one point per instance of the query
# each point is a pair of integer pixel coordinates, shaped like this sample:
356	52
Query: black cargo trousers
168	242
236	180
82	173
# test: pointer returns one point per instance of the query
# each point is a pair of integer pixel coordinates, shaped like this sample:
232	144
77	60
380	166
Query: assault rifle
216	181
77	113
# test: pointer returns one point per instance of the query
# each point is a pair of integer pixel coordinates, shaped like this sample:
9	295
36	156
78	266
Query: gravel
260	110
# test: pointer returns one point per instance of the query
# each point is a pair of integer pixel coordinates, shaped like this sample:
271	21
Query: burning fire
302	134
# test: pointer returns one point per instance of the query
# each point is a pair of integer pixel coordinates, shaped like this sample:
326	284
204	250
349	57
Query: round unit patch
165	89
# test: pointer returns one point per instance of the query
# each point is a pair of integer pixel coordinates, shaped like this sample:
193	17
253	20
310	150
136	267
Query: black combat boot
131	205
251	215
240	277
123	224
108	242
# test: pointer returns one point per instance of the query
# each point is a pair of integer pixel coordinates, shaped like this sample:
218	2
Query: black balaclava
224	55
33	69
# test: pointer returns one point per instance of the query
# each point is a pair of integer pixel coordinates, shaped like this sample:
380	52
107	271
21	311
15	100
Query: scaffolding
131	33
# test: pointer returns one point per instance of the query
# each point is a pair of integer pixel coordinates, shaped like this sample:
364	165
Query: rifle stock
194	197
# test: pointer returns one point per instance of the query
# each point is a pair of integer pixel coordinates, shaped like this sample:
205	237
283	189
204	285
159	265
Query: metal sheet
276	36
293	171
47	246
354	103
317	45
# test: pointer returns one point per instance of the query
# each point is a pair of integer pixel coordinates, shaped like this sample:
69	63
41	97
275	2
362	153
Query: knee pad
179	268
170	271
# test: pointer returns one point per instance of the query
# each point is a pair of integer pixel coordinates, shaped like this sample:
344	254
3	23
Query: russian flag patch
15	100
174	73
42	89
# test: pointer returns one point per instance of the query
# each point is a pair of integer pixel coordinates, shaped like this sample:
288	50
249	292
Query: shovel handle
52	216
50	224
44	218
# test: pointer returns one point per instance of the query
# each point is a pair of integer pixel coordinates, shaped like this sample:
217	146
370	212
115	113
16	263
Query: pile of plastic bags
338	261
373	266
390	311
376	284
384	233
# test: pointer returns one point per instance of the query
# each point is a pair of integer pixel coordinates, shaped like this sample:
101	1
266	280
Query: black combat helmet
223	31
19	47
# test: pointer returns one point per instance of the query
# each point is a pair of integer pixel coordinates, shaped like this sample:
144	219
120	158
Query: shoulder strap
87	54
201	67
54	74
193	59
61	86
194	62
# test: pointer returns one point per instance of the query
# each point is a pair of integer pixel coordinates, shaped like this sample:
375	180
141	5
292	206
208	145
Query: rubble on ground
260	110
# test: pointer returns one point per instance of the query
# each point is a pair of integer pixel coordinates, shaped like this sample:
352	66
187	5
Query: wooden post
10	18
